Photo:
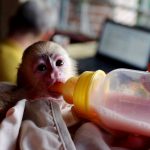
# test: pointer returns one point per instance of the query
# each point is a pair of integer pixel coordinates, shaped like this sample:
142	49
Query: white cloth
36	125
10	126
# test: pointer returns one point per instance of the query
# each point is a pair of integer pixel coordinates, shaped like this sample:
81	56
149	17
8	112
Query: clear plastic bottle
119	100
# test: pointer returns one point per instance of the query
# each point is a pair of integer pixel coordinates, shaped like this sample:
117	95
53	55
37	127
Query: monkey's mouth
56	88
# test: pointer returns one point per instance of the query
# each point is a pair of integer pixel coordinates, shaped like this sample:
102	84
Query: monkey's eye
59	62
41	67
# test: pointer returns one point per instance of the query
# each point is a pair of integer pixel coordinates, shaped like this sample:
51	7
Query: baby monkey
43	64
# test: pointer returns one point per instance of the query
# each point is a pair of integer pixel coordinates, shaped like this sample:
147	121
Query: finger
134	142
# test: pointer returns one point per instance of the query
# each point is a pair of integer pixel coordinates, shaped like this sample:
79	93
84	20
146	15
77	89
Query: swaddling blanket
35	125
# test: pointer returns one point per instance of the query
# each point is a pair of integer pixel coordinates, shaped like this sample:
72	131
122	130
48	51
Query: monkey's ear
20	76
74	66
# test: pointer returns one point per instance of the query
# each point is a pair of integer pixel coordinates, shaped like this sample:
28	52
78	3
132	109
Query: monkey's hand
70	116
5	105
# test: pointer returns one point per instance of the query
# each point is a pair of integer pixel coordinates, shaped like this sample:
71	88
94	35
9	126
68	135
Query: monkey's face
43	65
49	69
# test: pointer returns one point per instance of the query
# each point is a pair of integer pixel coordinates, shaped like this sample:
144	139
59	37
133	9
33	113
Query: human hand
89	136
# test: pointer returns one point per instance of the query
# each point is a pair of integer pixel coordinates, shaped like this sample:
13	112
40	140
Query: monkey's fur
43	64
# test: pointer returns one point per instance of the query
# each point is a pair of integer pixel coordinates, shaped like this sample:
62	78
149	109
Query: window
86	16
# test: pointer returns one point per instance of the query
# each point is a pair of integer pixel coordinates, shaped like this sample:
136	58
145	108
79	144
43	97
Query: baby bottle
119	100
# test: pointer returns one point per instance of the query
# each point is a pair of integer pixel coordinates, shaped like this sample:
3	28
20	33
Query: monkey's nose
53	78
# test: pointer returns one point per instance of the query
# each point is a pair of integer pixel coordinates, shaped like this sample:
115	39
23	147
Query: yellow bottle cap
83	89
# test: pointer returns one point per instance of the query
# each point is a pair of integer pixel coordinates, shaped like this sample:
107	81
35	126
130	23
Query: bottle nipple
66	89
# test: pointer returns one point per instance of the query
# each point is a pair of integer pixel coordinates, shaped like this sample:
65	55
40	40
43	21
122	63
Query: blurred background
81	21
86	16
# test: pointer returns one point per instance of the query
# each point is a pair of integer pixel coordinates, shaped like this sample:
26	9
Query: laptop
119	46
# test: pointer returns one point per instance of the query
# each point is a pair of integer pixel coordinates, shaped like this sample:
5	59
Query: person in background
33	21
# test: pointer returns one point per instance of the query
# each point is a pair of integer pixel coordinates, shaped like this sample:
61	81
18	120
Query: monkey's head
43	64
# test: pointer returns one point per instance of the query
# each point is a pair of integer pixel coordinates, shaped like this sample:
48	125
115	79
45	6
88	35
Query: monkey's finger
69	117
